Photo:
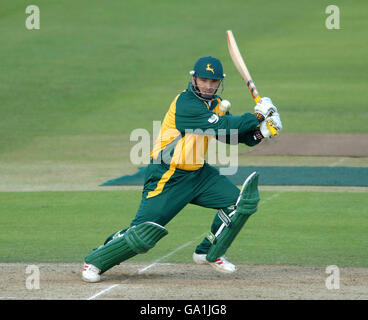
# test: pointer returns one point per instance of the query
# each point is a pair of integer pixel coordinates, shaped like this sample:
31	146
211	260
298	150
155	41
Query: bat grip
269	126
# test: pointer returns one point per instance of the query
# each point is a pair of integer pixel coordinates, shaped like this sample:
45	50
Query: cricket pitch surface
169	281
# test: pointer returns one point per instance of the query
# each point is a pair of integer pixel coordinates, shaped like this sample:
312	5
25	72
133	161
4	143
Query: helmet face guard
195	89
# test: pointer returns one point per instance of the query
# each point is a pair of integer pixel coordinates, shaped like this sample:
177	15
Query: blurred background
72	91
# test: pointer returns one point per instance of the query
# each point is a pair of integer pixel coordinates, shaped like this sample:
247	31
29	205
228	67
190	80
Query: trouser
166	193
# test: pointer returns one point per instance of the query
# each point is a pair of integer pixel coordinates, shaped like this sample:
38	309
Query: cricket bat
244	72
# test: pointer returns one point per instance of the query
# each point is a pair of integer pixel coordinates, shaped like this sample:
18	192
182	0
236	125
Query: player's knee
143	237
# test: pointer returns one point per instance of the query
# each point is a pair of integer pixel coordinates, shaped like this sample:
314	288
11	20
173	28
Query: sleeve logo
213	119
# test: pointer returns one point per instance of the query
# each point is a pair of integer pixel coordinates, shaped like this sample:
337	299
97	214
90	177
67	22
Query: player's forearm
218	125
243	124
251	138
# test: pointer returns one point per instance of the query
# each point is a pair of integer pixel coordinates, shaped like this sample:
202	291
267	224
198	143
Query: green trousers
204	187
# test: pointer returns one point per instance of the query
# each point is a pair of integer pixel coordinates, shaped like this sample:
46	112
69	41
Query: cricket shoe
91	273
220	264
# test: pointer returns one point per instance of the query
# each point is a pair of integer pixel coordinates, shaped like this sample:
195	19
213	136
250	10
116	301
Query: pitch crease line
103	291
140	271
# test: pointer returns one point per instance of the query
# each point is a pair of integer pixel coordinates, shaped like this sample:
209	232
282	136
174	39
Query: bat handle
257	99
271	128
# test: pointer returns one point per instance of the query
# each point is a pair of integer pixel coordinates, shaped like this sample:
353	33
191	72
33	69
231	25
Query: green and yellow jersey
190	124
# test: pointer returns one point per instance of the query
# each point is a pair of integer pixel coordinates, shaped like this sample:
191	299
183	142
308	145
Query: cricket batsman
178	175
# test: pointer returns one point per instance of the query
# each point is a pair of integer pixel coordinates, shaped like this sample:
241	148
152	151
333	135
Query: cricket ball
225	105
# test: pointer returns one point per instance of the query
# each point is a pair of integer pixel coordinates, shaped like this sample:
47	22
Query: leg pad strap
232	224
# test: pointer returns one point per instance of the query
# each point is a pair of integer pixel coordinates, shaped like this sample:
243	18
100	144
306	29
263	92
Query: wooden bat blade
237	57
244	72
240	65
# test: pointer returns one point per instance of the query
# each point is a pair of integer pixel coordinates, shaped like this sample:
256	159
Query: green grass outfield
96	69
299	228
72	92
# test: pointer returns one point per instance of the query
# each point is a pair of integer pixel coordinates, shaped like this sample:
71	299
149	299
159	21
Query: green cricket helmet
209	68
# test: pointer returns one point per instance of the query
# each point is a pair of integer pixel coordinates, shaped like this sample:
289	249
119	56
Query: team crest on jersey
209	68
213	119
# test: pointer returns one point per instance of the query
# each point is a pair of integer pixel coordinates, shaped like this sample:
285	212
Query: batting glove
264	109
273	121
